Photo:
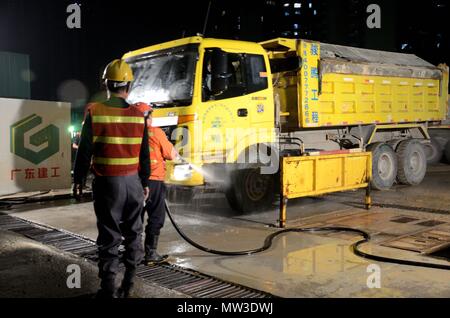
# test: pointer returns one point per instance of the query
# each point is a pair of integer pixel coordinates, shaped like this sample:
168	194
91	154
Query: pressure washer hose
269	240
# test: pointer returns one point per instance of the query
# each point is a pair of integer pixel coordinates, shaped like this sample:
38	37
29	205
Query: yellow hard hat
118	71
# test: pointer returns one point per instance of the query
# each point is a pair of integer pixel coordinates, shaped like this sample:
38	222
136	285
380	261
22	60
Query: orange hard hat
144	108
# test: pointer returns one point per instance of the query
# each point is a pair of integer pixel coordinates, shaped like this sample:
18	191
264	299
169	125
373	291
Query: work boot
126	290
107	288
151	256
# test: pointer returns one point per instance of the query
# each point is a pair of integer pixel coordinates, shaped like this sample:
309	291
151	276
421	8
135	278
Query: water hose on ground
269	241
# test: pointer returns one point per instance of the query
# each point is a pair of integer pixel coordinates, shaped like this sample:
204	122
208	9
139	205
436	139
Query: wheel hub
256	185
385	165
415	162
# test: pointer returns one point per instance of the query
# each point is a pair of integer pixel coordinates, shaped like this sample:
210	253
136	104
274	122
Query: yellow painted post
368	200
283	204
283	198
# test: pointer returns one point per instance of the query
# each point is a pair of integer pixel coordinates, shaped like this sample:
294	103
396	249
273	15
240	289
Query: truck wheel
384	165
250	190
433	152
447	151
412	162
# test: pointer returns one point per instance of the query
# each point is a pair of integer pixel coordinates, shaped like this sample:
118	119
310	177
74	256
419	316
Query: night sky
58	54
111	28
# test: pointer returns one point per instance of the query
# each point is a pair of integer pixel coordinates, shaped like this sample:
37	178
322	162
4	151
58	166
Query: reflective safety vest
117	138
160	150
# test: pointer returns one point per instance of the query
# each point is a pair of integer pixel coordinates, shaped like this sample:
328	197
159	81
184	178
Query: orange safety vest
117	138
160	150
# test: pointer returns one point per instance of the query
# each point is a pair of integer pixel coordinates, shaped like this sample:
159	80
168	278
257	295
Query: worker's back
117	136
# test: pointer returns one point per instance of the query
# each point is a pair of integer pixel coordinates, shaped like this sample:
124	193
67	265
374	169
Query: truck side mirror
219	71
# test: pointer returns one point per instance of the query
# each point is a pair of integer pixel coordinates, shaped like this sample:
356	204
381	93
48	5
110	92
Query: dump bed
343	86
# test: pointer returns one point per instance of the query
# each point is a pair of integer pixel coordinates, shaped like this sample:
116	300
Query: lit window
295	33
310	5
286	5
297	12
286	14
315	12
404	46
297	5
295	26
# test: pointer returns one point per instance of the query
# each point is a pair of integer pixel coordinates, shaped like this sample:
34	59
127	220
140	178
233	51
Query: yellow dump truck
235	108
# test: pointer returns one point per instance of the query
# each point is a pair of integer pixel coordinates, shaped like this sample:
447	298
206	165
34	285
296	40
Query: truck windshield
164	78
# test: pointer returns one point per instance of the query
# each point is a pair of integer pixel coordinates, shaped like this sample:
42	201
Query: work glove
78	191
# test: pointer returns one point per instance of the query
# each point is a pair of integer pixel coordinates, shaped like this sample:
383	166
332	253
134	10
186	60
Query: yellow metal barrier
315	175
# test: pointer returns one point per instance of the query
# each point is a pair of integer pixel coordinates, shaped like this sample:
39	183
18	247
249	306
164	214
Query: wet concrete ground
298	265
29	269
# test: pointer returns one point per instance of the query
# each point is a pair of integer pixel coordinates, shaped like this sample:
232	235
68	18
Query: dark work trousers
155	208
118	204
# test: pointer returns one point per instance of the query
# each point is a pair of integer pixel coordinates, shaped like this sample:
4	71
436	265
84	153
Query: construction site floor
406	223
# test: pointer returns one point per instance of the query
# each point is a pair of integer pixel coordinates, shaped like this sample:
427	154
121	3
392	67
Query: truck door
241	107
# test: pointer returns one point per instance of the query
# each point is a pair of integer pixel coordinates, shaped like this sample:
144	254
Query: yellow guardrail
316	175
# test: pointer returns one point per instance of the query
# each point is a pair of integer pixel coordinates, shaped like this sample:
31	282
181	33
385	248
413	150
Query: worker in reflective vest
115	139
161	149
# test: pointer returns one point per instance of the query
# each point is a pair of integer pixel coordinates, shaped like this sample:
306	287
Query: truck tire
433	151
384	165
412	162
447	151
250	191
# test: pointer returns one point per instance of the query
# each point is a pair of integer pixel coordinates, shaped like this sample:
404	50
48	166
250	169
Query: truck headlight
182	172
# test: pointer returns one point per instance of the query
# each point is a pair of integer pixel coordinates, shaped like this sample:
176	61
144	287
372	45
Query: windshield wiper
173	103
182	102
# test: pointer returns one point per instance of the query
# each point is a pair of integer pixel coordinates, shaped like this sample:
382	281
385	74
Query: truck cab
213	98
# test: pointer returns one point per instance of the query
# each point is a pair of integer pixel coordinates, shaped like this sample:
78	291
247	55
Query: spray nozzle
182	160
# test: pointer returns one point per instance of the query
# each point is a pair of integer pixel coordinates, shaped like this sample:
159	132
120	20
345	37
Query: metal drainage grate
186	281
196	284
425	241
404	219
431	223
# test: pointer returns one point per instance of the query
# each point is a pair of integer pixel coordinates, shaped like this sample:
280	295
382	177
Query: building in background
418	28
15	75
323	20
300	19
423	30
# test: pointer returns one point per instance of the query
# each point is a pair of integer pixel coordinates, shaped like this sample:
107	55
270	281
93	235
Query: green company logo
49	135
